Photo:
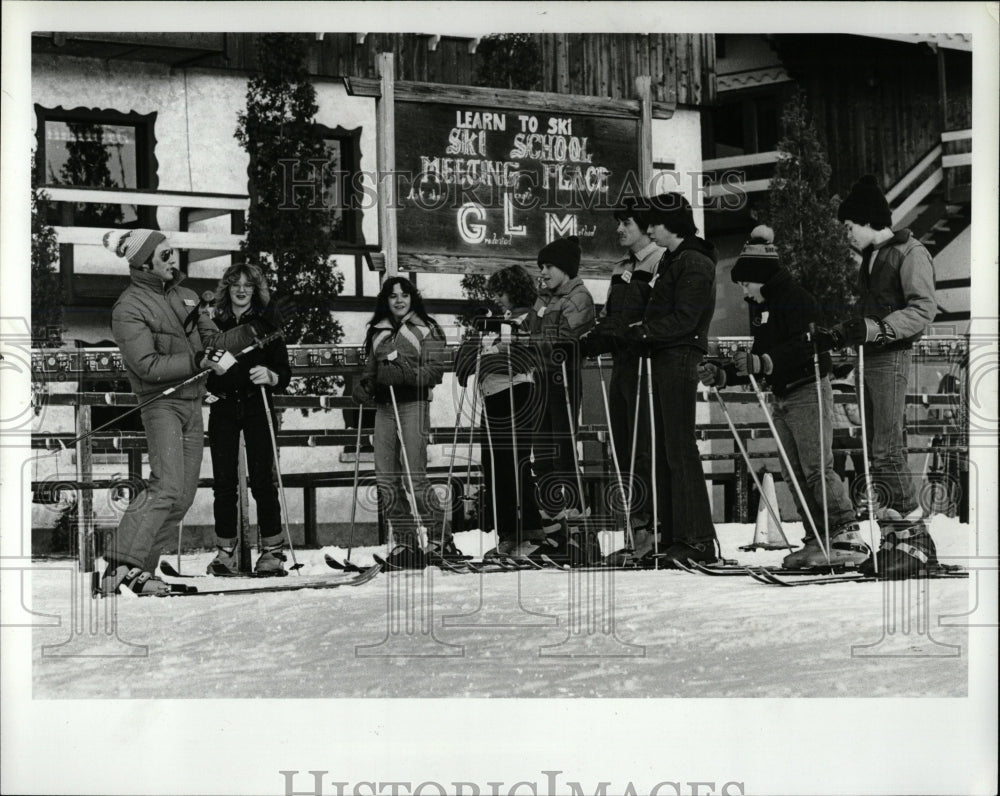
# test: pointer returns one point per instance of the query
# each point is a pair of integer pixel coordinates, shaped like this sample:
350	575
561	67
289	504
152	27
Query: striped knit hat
135	245
758	261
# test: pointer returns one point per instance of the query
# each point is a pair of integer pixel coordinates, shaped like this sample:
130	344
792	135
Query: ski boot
703	552
907	551
847	551
504	549
406	556
272	560
437	551
133	578
225	562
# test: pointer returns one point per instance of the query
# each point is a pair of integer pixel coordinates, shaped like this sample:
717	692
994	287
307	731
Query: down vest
162	334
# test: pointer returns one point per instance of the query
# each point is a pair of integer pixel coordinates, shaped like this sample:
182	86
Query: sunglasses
166	254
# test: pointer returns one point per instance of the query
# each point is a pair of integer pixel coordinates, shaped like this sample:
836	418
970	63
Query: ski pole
576	455
869	497
630	541
746	457
513	437
257	343
277	470
472	418
493	468
357	466
635	442
180	534
451	465
788	465
406	466
822	439
652	438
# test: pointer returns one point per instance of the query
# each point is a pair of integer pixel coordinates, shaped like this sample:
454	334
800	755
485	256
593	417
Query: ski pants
886	377
622	406
797	421
226	421
555	462
175	438
684	508
508	470
391	471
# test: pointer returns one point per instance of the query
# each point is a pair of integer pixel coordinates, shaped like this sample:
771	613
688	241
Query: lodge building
138	130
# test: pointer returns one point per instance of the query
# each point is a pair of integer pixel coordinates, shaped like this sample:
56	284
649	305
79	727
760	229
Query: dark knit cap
758	261
635	208
866	204
564	254
673	211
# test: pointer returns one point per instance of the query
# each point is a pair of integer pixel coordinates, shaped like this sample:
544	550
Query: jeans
684	509
555	461
175	438
797	423
512	473
391	471
622	406
886	377
225	422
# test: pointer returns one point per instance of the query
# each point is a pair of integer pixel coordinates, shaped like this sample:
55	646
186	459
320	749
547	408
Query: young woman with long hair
404	349
241	297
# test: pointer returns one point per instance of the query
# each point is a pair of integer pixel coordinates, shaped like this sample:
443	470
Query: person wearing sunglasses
166	336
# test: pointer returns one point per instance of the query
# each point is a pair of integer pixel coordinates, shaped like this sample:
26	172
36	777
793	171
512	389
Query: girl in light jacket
404	349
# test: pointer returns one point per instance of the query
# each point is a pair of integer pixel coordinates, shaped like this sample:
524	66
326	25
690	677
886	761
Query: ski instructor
165	336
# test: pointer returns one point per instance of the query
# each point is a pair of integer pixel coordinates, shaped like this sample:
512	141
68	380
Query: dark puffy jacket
234	386
162	334
681	298
900	288
778	327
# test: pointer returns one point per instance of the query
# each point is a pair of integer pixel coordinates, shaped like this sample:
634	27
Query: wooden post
643	88
385	115
85	503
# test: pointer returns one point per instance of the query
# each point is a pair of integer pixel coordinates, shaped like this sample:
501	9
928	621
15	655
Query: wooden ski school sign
484	178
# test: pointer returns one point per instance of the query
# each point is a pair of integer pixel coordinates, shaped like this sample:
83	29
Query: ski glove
748	364
218	360
856	331
393	374
711	375
362	392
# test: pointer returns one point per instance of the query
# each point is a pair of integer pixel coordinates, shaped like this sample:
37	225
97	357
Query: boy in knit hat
625	304
897	305
560	317
780	314
165	338
673	333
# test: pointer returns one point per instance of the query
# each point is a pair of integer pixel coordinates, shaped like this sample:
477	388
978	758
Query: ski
170	571
771	578
742	570
289	585
343	566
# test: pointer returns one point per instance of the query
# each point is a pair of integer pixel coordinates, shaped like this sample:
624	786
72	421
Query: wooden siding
682	66
875	103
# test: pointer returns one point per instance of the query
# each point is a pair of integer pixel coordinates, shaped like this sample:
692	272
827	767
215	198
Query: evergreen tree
811	242
289	228
46	292
509	60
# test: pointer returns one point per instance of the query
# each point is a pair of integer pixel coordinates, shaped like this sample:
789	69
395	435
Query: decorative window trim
351	162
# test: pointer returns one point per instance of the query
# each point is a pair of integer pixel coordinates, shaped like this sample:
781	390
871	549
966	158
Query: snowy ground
676	635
